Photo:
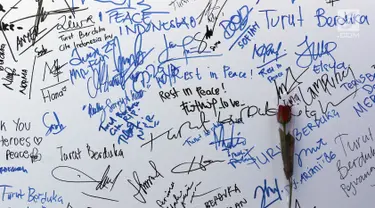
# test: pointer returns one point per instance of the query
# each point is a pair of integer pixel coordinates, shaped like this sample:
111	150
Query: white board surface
140	103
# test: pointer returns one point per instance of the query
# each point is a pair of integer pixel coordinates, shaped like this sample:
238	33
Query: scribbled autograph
53	128
142	187
63	173
194	166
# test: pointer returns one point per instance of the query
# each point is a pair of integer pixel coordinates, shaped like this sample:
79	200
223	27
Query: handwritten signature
145	185
170	135
194	166
313	51
181	197
229	143
54	70
267	193
53	128
64	173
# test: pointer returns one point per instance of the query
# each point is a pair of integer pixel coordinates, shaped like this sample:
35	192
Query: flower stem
290	192
290	179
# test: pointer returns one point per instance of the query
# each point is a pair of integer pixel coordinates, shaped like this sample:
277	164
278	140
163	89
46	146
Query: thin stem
290	179
290	192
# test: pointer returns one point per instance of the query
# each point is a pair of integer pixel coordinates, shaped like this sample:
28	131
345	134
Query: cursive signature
267	193
62	173
142	187
181	197
54	70
105	180
67	25
43	51
170	135
209	11
53	128
188	167
226	144
313	51
187	47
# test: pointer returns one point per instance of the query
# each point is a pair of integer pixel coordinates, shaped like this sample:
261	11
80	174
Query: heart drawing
38	140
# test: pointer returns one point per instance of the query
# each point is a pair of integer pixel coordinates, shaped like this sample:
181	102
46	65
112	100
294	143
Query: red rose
284	114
